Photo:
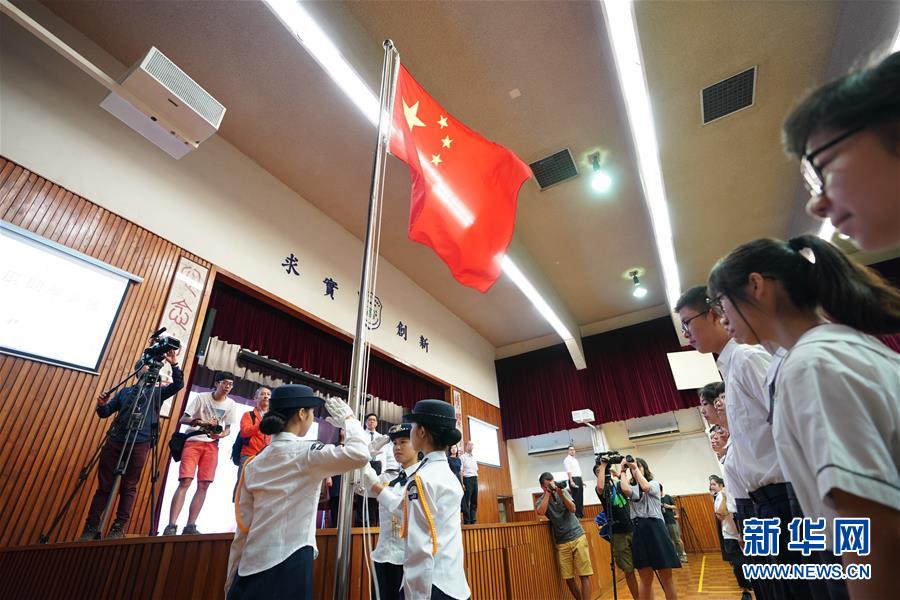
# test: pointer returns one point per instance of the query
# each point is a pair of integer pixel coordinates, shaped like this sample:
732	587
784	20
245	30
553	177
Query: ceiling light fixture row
634	275
623	37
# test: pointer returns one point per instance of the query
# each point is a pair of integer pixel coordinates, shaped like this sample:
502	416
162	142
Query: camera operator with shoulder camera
618	515
212	412
122	404
571	544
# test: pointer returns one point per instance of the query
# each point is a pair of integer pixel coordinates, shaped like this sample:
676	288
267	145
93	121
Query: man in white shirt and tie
573	472
469	472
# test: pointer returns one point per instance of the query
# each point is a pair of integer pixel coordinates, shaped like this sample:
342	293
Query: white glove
369	477
376	445
339	411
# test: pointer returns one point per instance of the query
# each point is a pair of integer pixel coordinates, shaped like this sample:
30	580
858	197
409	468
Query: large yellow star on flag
412	118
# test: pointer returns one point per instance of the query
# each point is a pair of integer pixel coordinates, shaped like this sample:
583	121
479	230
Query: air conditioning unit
177	114
548	443
652	426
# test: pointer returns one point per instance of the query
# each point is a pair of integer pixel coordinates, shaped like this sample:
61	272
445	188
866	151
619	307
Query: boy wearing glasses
847	137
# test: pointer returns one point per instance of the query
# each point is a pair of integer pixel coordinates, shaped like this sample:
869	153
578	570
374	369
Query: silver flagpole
357	391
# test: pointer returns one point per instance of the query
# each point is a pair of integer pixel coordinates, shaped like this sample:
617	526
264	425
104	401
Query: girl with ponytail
835	400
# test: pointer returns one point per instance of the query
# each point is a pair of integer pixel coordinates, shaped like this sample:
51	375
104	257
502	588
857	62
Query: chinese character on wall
330	286
401	330
290	265
423	343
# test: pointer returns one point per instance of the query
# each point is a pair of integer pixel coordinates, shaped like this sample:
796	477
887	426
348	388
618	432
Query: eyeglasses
812	174
686	323
716	304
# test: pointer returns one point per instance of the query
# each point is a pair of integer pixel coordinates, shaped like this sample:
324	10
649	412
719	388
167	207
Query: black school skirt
652	547
291	579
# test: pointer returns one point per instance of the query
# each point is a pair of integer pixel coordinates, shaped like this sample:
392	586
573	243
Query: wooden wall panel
50	429
502	561
699	530
493	482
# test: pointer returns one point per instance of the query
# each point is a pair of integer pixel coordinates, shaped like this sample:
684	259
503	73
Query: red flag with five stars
464	187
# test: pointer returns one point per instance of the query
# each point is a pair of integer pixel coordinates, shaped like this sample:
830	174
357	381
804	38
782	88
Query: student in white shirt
752	472
275	542
469	470
573	473
434	552
390	489
724	509
836	409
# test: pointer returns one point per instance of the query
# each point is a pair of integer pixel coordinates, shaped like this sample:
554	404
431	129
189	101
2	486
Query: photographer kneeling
571	543
122	404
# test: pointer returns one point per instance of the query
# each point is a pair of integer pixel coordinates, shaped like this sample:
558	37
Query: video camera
159	346
612	457
217	429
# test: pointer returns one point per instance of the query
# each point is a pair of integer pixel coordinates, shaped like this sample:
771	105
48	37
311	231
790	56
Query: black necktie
399	479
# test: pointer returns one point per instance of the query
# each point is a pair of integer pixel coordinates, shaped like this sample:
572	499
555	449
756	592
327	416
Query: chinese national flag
464	187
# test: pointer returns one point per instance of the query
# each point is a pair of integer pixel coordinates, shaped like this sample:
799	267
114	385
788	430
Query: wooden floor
705	576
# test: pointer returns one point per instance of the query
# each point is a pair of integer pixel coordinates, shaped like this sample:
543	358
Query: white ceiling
727	182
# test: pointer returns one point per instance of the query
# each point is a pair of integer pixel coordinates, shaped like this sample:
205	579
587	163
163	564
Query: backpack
240	442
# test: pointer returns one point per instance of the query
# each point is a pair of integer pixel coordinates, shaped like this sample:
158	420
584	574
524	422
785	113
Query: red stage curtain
256	326
627	376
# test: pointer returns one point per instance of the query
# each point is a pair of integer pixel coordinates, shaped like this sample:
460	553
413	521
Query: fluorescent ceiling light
297	20
623	38
514	273
895	47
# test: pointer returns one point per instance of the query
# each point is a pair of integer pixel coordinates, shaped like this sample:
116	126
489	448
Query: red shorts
201	457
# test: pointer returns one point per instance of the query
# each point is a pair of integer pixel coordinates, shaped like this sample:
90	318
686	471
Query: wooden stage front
503	561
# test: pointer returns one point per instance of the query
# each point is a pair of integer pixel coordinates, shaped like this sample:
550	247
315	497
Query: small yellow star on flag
412	118
436	159
442	121
446	142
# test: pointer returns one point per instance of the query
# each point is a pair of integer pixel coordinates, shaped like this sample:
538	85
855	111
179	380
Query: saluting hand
339	411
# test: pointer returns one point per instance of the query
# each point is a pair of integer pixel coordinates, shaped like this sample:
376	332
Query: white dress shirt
279	493
753	457
570	464
431	505
729	527
837	417
391	546
469	465
734	480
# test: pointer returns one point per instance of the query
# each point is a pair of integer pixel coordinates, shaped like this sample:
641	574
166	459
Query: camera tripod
145	404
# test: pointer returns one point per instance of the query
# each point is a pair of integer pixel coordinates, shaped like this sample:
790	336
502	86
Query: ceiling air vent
728	96
554	169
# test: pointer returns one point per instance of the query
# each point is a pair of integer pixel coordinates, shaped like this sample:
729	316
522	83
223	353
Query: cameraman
571	543
122	404
619	517
214	413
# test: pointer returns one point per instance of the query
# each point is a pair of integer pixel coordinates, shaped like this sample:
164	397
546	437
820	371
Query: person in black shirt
121	404
668	506
619	517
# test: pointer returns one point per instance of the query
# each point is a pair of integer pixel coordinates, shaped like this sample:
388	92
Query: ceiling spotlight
639	291
600	180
